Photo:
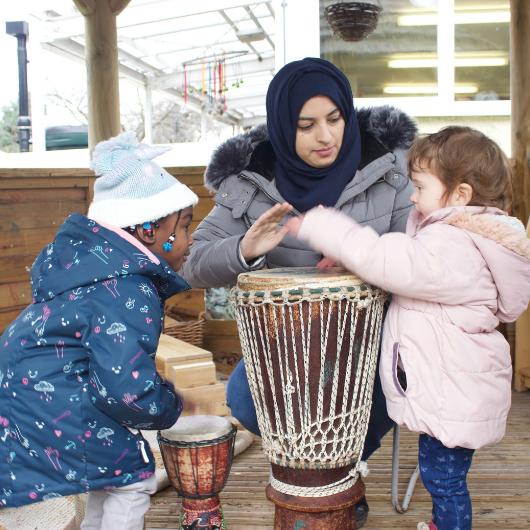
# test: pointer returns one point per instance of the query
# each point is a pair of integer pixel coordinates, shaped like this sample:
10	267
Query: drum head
297	278
197	429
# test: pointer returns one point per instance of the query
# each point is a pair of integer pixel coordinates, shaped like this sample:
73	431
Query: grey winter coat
240	174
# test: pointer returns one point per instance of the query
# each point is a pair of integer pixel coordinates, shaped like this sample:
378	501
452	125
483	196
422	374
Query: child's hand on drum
327	263
265	234
293	225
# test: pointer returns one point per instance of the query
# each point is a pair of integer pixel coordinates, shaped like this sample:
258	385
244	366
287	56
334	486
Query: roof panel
156	37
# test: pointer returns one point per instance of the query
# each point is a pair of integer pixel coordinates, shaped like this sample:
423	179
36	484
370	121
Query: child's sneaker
425	526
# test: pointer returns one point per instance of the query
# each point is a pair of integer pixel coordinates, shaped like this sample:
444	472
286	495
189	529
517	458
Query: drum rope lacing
300	434
321	491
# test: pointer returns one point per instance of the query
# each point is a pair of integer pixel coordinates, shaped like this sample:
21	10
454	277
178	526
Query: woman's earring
168	245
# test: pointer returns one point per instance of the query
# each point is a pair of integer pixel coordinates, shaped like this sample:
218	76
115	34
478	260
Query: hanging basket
352	21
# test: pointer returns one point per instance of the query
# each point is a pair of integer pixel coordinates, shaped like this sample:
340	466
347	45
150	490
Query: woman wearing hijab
315	149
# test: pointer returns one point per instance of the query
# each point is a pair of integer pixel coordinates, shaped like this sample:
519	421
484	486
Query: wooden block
221	336
210	399
192	374
173	351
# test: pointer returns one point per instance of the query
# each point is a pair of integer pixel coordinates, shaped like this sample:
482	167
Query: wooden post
521	363
520	94
102	67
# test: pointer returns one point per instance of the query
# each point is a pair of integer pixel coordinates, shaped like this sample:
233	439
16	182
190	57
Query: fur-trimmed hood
503	243
503	229
383	129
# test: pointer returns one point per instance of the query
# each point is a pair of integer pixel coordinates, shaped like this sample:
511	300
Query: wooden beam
102	67
88	7
520	95
522	347
117	6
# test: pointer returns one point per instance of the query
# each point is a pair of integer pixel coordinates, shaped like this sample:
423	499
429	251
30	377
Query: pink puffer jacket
454	275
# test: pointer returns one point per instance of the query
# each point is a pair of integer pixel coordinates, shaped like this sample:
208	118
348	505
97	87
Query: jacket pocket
398	374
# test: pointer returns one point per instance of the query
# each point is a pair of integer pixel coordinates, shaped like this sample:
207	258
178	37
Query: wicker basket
352	21
191	331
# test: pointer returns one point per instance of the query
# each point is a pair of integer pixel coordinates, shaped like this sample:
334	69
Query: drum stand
314	513
401	508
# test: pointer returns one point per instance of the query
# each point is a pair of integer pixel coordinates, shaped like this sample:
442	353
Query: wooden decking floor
499	482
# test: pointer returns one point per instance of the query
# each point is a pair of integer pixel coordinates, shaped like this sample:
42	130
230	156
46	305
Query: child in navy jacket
77	371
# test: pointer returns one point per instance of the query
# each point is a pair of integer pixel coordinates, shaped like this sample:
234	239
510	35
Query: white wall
297	30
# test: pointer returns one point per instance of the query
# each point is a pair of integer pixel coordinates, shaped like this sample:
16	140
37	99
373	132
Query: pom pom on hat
132	189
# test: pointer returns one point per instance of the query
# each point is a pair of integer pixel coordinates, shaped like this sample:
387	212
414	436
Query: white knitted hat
132	189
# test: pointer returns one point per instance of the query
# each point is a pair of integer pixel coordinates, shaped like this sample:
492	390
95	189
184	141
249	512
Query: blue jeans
241	404
444	474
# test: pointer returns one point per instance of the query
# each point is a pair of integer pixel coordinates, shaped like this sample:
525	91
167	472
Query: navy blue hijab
299	183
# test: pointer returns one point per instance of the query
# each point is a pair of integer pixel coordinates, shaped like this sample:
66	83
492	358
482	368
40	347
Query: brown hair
459	155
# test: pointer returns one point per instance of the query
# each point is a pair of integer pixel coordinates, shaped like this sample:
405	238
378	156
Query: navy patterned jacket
77	371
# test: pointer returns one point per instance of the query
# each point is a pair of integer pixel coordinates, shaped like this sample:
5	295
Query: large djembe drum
310	341
198	453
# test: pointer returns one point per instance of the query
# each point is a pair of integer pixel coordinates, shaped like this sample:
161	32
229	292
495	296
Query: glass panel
397	59
482	47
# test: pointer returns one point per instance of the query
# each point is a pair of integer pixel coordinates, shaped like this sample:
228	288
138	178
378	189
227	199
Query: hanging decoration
353	21
185	87
212	83
237	75
204	91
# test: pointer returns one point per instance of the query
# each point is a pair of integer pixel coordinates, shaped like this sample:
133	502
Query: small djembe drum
310	340
198	453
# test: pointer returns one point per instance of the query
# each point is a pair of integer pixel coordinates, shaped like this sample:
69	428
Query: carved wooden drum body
198	453
310	340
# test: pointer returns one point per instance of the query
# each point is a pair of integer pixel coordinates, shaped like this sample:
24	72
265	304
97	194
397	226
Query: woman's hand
265	234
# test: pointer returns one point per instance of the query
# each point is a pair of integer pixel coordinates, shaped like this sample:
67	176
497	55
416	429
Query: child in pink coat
462	267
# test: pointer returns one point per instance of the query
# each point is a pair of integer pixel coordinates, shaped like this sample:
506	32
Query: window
385	63
434	57
482	40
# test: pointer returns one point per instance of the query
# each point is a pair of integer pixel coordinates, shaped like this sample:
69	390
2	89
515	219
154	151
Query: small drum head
297	278
197	429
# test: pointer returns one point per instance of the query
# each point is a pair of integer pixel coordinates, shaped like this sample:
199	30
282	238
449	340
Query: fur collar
504	230
383	129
